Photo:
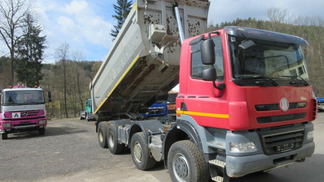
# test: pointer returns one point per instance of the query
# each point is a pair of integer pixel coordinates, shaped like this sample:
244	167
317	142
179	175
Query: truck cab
22	109
246	92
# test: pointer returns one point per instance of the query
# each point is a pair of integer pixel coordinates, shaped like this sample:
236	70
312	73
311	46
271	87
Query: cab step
221	168
218	179
218	163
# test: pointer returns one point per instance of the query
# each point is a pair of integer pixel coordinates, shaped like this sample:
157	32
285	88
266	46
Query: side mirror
49	96
209	74
207	48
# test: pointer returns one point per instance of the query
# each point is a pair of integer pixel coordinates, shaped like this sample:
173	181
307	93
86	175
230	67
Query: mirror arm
220	87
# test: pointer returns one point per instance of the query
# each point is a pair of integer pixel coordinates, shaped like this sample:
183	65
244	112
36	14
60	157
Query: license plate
285	147
15	115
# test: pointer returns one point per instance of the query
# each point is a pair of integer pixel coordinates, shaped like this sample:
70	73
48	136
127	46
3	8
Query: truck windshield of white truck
23	97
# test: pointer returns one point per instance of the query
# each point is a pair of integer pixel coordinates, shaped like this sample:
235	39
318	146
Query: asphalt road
69	151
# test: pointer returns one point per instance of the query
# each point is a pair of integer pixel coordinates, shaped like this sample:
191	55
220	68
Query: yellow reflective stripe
135	5
100	106
121	78
204	114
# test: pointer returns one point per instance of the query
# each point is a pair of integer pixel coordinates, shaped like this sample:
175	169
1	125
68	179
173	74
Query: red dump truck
241	107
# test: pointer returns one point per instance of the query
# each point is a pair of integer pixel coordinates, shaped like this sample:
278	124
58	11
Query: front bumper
18	126
240	166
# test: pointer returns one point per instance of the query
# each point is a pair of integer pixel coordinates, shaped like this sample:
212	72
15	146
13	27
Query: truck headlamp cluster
243	147
310	135
6	125
41	122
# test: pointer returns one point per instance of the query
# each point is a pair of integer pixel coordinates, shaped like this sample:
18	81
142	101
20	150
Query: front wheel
186	162
102	134
140	152
4	136
41	131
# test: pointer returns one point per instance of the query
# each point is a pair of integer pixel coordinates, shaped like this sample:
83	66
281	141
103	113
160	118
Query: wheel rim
138	152
180	167
100	136
111	139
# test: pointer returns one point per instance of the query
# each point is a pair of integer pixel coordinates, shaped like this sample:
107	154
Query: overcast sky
86	24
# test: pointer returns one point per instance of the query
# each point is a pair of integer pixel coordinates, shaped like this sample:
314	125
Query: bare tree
78	56
62	54
12	14
277	15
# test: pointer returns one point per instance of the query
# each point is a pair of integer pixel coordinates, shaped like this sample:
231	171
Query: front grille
279	140
275	107
287	117
25	114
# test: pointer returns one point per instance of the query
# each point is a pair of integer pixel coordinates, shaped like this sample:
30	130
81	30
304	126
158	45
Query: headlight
6	125
310	135
42	122
242	147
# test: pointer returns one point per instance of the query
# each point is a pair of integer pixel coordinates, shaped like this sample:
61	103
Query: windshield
266	63
23	97
160	102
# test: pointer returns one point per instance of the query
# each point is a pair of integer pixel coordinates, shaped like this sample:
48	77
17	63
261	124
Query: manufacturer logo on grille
25	113
284	104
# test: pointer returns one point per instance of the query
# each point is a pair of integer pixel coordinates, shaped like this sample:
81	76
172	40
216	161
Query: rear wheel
102	134
4	136
41	131
140	152
186	162
113	144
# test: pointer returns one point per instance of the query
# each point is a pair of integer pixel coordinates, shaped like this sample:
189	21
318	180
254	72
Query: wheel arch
146	126
181	131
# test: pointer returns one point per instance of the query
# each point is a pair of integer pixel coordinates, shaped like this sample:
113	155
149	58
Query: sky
86	24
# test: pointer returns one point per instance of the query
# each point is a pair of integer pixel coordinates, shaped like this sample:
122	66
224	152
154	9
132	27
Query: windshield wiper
35	102
262	82
296	81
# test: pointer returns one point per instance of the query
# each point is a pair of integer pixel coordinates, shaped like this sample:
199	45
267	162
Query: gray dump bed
143	61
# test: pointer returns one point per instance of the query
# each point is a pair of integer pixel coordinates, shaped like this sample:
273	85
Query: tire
187	163
4	136
102	134
112	139
41	131
140	152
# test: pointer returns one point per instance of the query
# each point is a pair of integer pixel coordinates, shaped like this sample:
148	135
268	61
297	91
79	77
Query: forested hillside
78	75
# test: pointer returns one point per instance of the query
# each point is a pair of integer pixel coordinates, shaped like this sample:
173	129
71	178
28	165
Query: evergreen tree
30	53
122	9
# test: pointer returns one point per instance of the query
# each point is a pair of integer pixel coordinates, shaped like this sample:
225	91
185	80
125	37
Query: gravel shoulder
68	151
